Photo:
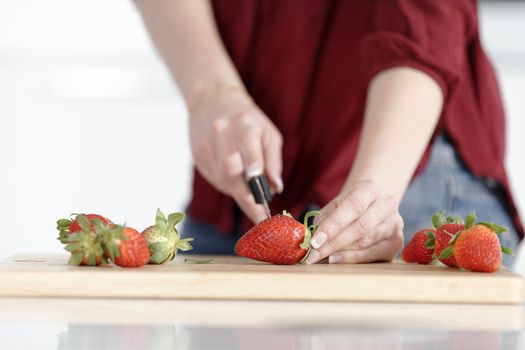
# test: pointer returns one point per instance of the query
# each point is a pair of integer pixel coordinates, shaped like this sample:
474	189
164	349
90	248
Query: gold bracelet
220	90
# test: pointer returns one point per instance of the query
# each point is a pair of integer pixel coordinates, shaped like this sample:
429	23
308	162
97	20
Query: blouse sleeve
428	35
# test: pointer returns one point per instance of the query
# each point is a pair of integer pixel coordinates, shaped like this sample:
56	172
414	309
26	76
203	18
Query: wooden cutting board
238	278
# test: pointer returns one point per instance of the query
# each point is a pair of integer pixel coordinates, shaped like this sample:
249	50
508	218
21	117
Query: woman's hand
231	141
360	225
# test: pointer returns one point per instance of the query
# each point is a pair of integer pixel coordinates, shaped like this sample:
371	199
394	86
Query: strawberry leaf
305	244
494	227
75	259
63	236
92	260
471	219
63	224
453	219
174	219
184	244
160	221
83	222
99	226
438	219
430	241
446	253
312	228
71	247
507	250
309	215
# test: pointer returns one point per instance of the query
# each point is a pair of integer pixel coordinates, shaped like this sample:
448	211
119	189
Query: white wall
89	120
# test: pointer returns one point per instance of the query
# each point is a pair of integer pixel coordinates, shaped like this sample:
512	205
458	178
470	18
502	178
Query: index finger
249	143
344	211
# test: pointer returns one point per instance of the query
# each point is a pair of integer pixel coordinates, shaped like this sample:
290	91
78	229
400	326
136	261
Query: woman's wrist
216	92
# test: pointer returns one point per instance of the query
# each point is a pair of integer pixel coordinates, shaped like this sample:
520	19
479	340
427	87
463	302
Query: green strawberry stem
85	244
63	230
470	220
308	236
197	261
310	229
507	250
494	227
446	253
438	219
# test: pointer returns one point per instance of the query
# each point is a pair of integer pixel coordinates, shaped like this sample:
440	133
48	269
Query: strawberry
279	240
125	246
420	249
164	239
478	249
67	227
85	244
446	230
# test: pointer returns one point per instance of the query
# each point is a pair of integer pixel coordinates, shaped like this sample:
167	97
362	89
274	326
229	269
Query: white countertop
172	324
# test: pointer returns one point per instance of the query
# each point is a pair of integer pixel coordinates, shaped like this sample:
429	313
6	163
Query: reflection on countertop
90	337
205	324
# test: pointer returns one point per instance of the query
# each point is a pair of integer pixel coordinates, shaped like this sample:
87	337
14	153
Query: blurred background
90	120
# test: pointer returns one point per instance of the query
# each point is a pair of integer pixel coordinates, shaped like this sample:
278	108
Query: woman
350	106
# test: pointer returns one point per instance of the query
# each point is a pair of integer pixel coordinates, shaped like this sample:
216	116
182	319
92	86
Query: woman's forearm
402	109
186	36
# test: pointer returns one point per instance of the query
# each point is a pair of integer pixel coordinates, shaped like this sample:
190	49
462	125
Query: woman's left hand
360	225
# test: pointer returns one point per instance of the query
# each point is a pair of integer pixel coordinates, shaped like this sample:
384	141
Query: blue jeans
445	184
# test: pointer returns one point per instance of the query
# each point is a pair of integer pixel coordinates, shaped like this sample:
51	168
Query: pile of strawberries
95	240
458	243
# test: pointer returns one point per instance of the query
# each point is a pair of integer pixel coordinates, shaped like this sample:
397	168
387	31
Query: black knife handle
266	188
260	189
256	191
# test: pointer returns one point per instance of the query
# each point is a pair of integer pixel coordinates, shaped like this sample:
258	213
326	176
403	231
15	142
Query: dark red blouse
308	63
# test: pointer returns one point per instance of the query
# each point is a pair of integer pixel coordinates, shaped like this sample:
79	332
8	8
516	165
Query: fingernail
253	170
318	240
280	184
313	257
335	259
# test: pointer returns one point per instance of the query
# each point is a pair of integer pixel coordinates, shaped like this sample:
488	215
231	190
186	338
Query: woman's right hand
231	141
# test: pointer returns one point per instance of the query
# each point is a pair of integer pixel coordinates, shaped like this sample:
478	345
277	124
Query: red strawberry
85	244
126	247
279	240
67	226
444	234
478	249
420	249
446	230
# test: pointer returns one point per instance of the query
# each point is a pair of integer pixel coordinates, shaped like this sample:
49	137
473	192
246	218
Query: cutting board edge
210	285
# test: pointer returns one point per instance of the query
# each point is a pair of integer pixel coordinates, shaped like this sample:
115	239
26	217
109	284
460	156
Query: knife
261	192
